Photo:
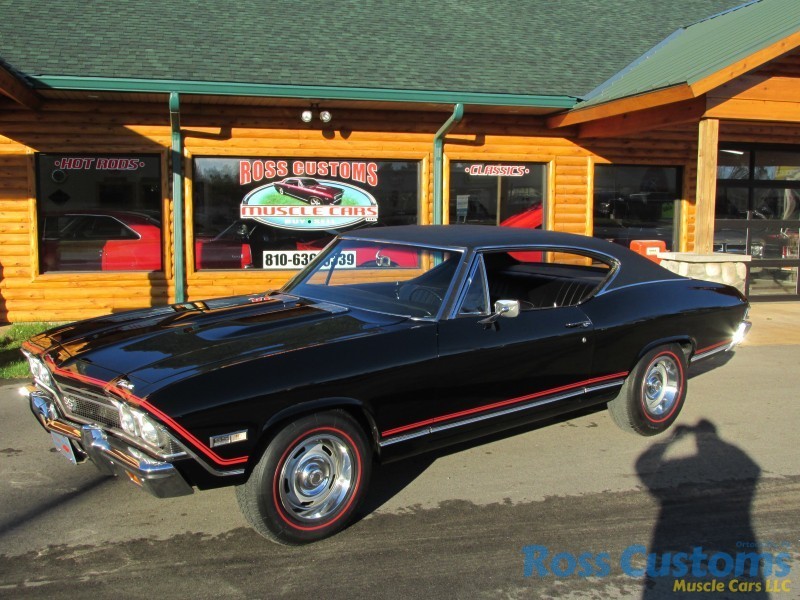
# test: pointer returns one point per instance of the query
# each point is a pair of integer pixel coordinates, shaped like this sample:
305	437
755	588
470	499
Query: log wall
216	130
69	127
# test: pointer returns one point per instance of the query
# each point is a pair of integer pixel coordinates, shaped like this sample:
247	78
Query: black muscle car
291	395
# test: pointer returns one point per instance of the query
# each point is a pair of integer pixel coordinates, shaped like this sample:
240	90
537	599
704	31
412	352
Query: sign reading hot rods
302	195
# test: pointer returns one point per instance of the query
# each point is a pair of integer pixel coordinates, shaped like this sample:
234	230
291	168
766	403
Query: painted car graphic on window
309	190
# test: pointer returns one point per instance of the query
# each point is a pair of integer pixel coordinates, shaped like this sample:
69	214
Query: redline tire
654	392
310	480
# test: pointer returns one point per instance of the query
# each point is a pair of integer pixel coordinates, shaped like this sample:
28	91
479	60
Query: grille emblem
124	383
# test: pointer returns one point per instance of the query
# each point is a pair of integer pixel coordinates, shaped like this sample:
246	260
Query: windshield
390	278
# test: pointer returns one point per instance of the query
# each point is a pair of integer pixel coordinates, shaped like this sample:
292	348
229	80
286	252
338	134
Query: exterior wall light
314	112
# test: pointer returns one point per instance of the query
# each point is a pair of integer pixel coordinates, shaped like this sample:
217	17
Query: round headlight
126	420
151	432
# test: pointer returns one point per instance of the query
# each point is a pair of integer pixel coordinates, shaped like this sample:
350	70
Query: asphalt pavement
571	509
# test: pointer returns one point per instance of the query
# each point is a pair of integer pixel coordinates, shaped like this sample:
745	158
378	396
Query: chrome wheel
654	392
316	478
661	386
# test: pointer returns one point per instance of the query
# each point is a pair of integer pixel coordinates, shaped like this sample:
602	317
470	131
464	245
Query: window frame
545	192
680	176
165	272
421	161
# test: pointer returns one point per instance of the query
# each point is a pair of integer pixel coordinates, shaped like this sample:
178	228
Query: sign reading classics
302	196
483	170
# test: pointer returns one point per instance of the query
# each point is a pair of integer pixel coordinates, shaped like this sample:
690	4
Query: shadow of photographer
704	539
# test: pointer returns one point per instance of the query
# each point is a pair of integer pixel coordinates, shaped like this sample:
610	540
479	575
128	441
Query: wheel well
354	410
685	343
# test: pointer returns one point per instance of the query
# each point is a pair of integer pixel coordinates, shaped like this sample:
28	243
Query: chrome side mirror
502	308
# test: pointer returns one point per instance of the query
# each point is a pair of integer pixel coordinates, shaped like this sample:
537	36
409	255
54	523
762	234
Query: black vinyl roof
633	268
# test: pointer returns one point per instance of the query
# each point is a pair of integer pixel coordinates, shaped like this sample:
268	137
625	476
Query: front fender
358	409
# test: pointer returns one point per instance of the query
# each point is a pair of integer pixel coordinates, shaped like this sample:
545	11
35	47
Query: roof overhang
15	88
680	93
484	102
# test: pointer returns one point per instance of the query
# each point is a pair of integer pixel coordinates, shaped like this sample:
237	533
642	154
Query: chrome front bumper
110	455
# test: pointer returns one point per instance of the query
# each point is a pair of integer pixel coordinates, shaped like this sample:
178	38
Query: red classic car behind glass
531	218
123	241
131	241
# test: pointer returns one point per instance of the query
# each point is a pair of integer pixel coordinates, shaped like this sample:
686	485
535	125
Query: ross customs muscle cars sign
302	195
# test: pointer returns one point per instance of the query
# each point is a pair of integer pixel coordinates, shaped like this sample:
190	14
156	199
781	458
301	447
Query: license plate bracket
64	447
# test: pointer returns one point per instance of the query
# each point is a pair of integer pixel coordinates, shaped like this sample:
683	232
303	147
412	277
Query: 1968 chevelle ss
292	395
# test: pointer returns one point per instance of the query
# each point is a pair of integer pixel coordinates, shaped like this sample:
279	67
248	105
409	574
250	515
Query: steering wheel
426	297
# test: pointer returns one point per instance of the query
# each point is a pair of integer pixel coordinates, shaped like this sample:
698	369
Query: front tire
310	480
654	392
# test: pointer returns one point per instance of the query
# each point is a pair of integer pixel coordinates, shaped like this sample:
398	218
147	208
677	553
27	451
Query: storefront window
636	203
777	165
733	164
99	212
510	195
758	213
277	213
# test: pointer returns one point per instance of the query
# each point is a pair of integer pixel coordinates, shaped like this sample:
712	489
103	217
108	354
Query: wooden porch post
707	148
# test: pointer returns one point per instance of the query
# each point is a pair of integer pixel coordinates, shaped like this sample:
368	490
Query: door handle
579	324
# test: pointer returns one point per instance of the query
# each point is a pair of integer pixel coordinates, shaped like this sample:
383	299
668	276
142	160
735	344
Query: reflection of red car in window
309	190
121	241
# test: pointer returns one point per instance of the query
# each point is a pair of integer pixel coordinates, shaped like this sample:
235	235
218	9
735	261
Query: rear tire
310	480
653	394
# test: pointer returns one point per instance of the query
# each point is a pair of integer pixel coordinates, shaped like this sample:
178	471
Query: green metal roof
521	52
692	53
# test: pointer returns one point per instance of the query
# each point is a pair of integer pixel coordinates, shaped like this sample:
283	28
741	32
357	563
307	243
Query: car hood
152	345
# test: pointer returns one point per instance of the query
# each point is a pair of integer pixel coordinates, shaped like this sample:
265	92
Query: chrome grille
94	408
88	407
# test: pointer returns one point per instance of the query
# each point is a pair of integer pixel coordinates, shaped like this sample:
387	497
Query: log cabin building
166	152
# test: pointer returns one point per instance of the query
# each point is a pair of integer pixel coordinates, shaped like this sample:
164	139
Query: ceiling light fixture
309	114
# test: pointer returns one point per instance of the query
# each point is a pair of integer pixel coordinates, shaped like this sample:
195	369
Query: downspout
177	197
438	162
